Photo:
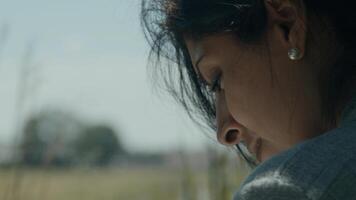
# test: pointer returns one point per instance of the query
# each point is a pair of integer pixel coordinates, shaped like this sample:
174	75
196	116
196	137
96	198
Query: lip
255	148
258	150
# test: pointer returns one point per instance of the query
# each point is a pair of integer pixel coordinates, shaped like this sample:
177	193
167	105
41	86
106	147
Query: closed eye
216	82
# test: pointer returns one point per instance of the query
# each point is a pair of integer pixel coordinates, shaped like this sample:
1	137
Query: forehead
211	42
210	45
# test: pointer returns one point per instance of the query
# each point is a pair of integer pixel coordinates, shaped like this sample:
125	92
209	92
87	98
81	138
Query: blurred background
79	117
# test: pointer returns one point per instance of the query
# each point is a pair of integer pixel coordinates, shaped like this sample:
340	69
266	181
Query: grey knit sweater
322	168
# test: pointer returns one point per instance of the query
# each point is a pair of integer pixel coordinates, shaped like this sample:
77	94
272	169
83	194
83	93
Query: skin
266	100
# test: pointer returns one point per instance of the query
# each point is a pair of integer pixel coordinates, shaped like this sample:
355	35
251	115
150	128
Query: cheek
252	100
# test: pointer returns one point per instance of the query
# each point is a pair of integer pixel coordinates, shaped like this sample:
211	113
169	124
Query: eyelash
215	85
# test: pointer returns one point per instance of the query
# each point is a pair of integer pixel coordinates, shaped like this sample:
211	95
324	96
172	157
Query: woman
275	76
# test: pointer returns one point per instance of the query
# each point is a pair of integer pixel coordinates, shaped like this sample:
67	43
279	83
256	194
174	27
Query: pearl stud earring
294	54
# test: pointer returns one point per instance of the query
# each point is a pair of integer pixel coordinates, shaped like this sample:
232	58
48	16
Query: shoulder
271	186
343	185
310	170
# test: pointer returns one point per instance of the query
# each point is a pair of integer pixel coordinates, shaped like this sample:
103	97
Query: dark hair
166	21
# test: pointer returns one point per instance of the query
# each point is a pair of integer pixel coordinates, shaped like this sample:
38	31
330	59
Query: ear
288	20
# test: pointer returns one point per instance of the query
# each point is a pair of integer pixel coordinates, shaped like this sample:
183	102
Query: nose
229	132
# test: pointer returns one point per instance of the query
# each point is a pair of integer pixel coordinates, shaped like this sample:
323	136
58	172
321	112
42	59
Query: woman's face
264	97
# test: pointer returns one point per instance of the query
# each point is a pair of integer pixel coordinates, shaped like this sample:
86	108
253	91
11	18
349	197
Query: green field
118	184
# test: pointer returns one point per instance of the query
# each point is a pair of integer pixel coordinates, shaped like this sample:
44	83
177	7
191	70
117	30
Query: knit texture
321	168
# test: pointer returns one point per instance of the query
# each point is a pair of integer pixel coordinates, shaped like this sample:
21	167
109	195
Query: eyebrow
198	69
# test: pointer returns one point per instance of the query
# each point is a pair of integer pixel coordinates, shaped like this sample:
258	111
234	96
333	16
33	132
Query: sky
88	57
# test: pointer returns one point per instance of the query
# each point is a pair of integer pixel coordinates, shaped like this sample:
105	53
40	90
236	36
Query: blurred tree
32	146
97	145
48	137
58	138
